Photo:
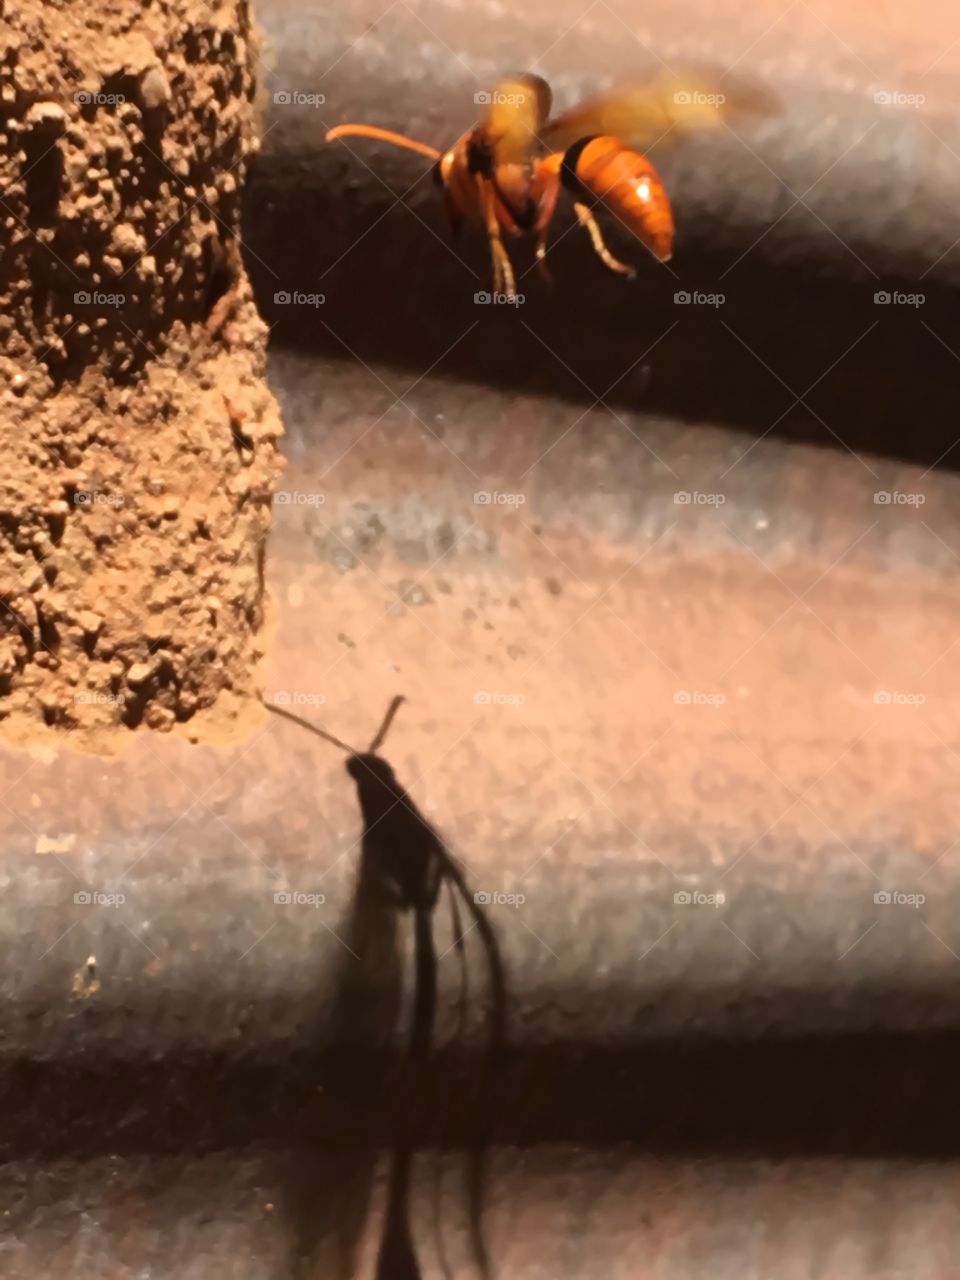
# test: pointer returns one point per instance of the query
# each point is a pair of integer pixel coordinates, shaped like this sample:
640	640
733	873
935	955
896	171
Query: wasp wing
519	108
674	102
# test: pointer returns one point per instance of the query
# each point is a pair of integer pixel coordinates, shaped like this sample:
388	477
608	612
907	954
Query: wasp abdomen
626	183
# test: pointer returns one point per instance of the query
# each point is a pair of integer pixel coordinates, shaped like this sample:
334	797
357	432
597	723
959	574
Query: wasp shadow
404	865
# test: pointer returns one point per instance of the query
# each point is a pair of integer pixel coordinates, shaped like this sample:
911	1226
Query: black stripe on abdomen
568	168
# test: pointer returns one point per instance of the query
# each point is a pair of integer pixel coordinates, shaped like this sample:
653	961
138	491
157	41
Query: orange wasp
494	171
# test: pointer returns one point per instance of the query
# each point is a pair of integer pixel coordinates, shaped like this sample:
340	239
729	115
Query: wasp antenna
305	724
382	732
383	135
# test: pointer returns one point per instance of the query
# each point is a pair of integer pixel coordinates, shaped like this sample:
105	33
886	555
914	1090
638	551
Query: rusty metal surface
799	1017
616	696
559	1211
613	697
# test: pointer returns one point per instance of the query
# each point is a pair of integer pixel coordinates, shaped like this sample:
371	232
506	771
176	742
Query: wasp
509	168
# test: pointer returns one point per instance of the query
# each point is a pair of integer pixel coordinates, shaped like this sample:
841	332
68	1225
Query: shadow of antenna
310	728
375	745
384	729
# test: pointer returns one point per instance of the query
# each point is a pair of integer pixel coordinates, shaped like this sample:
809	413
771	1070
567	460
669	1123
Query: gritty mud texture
138	436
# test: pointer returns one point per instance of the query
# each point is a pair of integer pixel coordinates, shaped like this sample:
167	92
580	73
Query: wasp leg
588	221
503	277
